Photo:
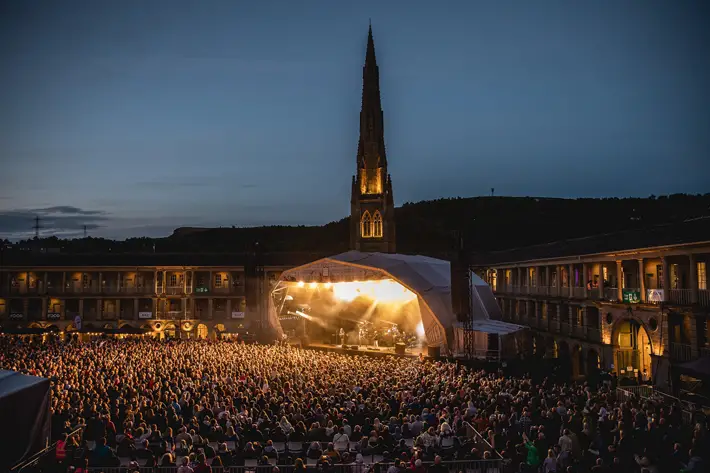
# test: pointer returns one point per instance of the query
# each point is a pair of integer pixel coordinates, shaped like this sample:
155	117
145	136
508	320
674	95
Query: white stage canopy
428	278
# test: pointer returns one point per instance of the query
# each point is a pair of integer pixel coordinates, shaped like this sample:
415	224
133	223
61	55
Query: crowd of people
201	405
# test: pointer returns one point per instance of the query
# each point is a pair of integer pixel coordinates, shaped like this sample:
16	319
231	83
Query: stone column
601	281
547	279
118	308
44	283
570	280
619	282
693	271
585	279
209	288
101	282
229	309
81	308
155	281
135	309
642	280
99	307
45	303
210	315
192	308
64	281
184	282
666	279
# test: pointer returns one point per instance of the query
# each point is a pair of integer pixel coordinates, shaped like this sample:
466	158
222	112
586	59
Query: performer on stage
342	336
377	339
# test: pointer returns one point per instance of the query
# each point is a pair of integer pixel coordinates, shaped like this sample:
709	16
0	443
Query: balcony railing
137	289
109	315
611	293
578	292
680	296
680	351
565	328
175	290
579	331
704	297
110	288
159	289
705	351
55	288
594	334
171	315
221	290
127	315
78	288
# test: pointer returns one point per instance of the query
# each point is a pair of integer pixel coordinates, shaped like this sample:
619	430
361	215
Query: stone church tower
372	202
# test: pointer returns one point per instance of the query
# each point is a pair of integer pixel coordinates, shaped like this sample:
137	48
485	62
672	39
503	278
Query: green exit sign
202	289
631	297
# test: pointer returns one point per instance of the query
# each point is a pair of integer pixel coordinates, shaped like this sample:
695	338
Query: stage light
327	285
301	284
420	330
385	290
313	285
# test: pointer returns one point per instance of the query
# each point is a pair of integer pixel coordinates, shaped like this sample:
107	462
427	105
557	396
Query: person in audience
244	399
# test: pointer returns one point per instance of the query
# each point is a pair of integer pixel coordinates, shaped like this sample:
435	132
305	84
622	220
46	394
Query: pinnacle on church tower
372	202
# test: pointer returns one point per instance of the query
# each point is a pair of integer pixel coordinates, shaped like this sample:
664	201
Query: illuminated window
218	280
377	225
366	225
702	276
173	280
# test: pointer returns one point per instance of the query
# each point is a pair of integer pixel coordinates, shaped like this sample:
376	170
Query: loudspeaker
399	348
434	352
461	290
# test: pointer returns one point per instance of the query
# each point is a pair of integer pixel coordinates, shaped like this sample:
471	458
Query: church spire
372	202
371	146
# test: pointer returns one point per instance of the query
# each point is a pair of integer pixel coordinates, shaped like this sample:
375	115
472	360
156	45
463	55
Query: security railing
496	465
681	351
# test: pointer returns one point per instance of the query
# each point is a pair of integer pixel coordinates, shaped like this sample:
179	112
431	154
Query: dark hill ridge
489	223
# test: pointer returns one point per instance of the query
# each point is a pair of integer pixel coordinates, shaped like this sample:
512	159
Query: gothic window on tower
366	225
377	225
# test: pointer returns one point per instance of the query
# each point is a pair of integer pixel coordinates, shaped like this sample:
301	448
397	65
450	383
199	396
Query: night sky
135	117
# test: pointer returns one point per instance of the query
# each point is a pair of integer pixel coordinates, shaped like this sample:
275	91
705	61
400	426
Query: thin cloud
61	220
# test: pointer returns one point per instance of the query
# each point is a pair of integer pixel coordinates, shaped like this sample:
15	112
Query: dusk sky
136	117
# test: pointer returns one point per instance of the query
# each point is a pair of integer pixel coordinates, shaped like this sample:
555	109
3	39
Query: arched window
377	225
366	225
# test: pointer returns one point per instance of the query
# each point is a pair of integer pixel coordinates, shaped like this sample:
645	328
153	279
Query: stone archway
593	362
202	331
551	348
565	358
577	361
632	347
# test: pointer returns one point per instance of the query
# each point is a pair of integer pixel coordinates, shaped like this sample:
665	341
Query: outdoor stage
367	350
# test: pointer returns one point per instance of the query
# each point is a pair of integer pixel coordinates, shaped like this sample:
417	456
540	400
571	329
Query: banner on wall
237	315
654	295
145	315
